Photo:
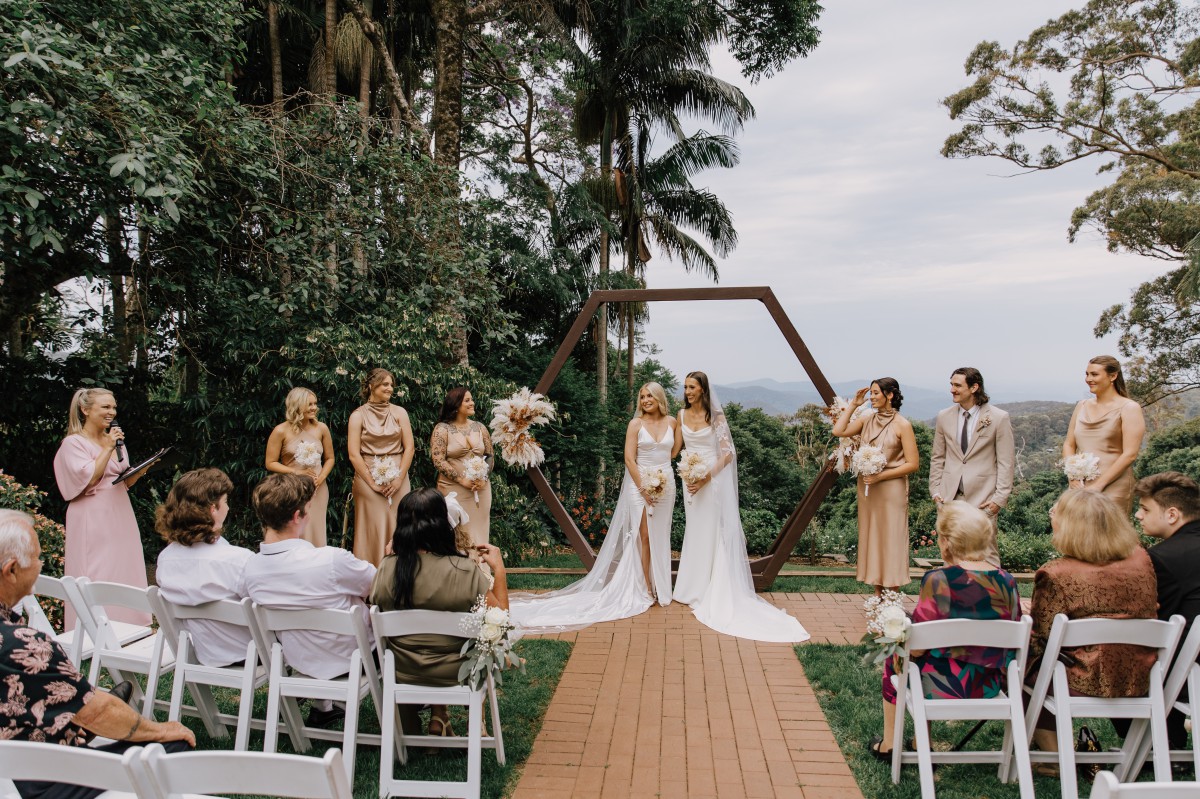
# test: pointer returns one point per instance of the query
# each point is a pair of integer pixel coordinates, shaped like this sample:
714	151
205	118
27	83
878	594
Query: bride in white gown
714	573
637	549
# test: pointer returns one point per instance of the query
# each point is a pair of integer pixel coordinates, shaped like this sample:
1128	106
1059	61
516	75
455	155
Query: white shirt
294	575
972	415
202	573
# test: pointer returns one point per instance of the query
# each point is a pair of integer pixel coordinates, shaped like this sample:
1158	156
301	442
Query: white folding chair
1184	672
152	656
190	672
1142	710
361	679
76	642
1107	786
177	775
122	776
397	623
910	698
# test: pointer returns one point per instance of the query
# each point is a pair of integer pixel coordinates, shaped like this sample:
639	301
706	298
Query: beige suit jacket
985	471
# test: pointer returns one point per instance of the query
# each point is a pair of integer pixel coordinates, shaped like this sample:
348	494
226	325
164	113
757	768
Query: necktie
962	438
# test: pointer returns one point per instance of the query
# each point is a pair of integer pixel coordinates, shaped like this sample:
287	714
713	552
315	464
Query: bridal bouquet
1082	466
511	421
693	467
868	460
489	649
843	451
475	468
888	626
309	454
654	483
383	471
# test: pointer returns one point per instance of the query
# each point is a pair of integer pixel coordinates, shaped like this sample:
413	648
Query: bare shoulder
634	425
903	423
323	428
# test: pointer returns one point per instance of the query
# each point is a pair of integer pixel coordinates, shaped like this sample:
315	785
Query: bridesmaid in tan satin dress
883	547
303	429
377	429
455	439
1111	426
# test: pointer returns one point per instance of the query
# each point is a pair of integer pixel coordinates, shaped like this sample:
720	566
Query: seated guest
428	572
290	573
967	587
1104	573
200	566
43	697
1169	509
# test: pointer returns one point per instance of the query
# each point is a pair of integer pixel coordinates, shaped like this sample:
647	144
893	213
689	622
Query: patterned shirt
40	689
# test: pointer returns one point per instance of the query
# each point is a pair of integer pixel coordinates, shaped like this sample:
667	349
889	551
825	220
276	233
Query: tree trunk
450	19
276	57
119	265
16	341
330	42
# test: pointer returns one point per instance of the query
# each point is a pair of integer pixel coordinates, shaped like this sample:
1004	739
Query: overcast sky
889	259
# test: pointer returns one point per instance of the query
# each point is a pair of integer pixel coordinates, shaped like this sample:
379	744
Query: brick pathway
661	706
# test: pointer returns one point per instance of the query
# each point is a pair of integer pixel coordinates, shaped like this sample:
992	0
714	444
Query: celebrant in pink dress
103	542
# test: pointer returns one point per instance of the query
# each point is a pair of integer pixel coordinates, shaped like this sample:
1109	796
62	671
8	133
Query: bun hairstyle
373	379
81	401
888	385
1113	367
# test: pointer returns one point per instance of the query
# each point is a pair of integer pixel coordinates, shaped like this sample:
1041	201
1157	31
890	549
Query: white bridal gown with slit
714	573
615	588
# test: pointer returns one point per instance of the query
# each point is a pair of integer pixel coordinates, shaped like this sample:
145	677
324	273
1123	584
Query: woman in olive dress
379	436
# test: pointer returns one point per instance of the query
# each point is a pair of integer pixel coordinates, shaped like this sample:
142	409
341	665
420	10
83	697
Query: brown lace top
449	447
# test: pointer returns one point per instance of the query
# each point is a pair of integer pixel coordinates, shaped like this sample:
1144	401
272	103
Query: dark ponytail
888	385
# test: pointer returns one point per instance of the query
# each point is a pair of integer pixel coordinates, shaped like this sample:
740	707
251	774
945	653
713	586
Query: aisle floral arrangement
488	650
888	626
511	421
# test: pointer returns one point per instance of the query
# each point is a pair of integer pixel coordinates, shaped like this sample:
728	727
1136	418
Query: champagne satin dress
450	448
1104	438
375	519
318	510
883	547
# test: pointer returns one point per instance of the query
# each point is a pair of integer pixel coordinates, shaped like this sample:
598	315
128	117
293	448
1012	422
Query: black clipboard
144	465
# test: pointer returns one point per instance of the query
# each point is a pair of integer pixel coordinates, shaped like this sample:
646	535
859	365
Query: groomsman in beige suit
973	451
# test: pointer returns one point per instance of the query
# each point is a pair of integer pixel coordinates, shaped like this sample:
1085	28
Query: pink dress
103	542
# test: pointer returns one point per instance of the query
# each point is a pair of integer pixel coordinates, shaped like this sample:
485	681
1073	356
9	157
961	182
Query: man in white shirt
200	566
290	573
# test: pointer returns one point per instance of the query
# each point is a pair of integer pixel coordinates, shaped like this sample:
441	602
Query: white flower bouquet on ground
383	471
475	468
654	484
488	650
693	467
1082	466
888	626
868	460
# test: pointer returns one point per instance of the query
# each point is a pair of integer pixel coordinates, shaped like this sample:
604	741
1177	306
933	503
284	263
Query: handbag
1086	741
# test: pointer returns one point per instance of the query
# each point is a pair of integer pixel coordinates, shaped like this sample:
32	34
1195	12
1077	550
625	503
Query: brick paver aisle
661	706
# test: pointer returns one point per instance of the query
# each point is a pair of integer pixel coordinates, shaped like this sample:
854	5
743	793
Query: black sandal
873	748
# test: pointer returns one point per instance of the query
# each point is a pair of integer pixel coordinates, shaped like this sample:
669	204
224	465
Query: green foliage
1176	449
761	526
51	534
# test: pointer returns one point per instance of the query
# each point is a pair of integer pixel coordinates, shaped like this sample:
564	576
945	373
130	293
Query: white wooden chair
76	642
910	698
361	679
174	776
1144	710
397	623
198	678
152	656
121	776
1107	786
1185	672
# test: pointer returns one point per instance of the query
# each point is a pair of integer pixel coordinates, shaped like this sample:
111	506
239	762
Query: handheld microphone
120	445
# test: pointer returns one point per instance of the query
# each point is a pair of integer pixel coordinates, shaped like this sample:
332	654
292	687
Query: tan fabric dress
1103	438
318	510
450	448
441	583
374	518
883	548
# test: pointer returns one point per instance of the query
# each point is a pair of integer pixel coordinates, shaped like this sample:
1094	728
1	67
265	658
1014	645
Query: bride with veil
714	573
636	553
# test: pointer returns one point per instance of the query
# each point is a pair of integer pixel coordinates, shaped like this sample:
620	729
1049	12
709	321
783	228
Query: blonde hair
964	530
659	395
1092	528
296	404
83	400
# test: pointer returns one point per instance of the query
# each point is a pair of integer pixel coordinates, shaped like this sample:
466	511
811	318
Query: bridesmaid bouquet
868	460
888	626
654	483
1082	466
384	471
843	452
510	425
693	467
475	468
309	454
489	649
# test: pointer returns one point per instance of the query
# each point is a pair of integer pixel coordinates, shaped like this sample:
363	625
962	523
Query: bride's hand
692	488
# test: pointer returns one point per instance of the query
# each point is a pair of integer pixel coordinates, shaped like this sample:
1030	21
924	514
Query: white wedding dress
714	573
615	588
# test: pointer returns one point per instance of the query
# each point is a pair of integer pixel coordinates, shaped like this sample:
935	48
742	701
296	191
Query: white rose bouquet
693	467
868	460
475	468
654	484
489	650
309	454
888	626
383	471
1082	466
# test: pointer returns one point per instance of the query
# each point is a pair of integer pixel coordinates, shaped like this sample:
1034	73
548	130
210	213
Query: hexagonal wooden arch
766	568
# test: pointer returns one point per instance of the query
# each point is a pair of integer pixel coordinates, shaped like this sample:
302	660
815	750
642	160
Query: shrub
51	534
1024	552
761	527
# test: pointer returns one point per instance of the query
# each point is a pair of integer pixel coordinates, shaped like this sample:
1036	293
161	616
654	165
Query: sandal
444	729
873	748
1046	770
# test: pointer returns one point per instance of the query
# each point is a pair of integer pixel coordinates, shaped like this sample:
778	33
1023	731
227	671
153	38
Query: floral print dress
965	672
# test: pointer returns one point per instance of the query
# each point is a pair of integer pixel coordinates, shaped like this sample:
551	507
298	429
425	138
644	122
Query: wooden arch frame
766	568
